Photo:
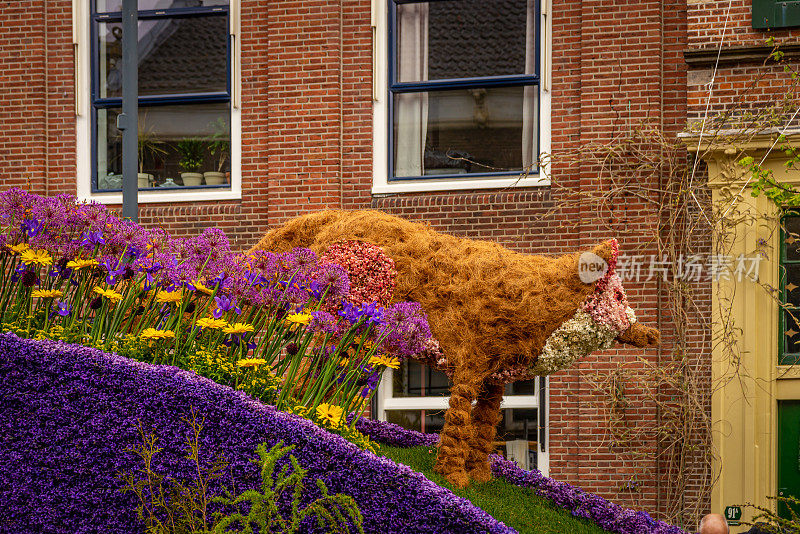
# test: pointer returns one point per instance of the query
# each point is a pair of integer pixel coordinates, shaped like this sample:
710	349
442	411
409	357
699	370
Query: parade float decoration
497	316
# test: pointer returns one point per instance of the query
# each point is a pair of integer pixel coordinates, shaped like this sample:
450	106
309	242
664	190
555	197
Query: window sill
432	184
173	196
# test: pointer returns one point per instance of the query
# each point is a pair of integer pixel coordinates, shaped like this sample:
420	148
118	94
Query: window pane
465	39
116	5
518	423
172	140
430	421
522	387
791	237
791	332
176	56
465	131
416	380
792	283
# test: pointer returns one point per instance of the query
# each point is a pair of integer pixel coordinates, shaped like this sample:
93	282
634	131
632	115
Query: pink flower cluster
371	272
608	305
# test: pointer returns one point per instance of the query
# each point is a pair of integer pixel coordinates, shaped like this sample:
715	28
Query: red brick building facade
308	94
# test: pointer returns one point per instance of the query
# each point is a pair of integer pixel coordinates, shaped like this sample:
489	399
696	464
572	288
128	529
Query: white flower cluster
574	339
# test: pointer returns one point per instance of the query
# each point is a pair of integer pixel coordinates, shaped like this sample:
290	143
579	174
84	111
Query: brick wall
307	134
745	85
711	22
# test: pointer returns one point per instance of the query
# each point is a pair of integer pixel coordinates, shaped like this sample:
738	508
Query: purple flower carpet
71	414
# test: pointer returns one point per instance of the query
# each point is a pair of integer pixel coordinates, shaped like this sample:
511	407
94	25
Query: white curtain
529	97
411	108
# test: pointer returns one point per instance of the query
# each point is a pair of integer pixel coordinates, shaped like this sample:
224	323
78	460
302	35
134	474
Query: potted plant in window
192	152
220	149
149	147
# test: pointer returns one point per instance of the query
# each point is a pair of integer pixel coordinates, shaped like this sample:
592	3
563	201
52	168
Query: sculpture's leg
456	434
485	416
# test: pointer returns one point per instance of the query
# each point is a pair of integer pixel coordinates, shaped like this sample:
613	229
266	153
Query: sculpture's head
603	318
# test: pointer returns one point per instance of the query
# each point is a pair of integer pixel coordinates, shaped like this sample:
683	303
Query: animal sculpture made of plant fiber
498	315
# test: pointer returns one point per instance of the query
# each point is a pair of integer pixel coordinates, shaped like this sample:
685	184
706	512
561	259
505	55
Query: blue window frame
184	94
463	88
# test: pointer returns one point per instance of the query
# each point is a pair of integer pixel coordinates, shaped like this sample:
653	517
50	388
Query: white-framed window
416	397
189	112
461	94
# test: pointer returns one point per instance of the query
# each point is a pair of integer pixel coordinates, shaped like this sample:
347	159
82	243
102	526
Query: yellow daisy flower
79	264
202	288
330	414
251	362
299	318
210	322
36	257
46	293
238	328
152	333
169	297
18	249
110	294
387	361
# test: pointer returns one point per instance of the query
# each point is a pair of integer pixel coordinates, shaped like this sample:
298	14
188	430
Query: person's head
713	524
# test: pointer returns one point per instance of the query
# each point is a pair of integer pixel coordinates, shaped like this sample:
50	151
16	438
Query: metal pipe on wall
128	120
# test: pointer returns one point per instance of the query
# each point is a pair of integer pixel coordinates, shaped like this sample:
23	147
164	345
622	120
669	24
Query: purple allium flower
335	280
13	204
407	329
298	260
265	262
215	241
324	322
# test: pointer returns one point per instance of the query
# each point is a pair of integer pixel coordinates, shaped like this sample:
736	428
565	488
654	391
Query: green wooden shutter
775	14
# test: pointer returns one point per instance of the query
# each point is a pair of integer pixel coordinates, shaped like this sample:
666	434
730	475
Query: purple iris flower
349	312
91	238
135	252
254	278
315	289
149	279
372	383
63	308
371	313
219	280
114	273
18	272
225	304
31	227
238	339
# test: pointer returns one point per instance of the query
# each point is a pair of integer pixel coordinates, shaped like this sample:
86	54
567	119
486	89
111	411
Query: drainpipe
128	120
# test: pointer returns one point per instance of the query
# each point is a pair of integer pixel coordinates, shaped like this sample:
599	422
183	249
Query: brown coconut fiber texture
495	306
490	308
